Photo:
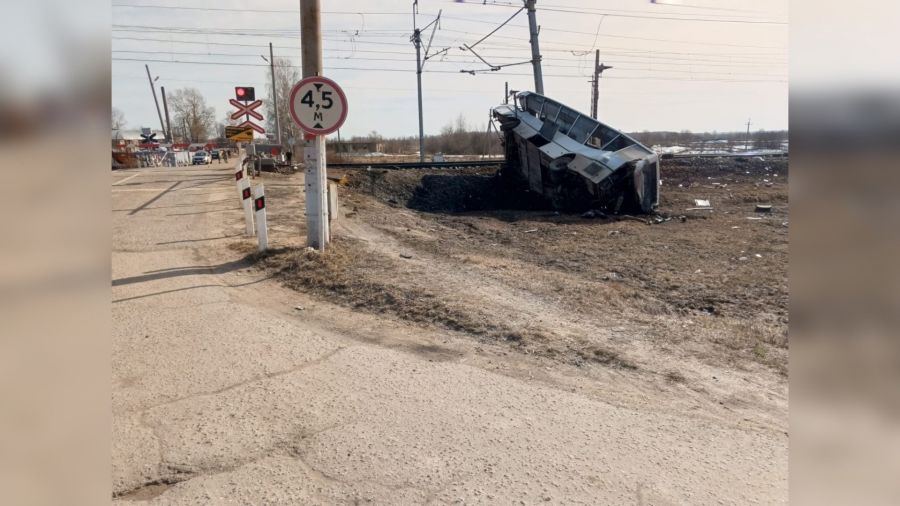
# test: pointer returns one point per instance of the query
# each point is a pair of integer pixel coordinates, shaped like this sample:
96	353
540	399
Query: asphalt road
222	395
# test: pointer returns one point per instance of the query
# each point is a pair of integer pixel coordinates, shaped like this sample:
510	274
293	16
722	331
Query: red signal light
245	93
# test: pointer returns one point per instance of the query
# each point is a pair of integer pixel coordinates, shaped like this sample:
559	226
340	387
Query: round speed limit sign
318	105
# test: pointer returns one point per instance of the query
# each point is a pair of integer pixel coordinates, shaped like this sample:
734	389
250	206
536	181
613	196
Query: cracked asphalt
221	395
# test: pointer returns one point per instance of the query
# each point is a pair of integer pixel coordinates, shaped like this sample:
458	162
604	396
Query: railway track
493	163
418	165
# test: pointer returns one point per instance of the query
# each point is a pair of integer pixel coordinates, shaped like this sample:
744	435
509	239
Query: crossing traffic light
245	93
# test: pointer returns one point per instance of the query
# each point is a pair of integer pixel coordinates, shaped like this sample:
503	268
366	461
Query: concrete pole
169	136
274	94
535	48
314	152
417	40
155	100
595	97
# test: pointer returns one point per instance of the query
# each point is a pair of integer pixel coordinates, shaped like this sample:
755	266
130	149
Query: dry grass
348	274
712	285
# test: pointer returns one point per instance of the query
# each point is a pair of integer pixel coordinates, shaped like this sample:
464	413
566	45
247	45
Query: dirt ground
668	294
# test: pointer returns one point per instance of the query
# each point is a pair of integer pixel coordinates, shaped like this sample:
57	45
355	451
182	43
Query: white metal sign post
259	207
246	195
319	107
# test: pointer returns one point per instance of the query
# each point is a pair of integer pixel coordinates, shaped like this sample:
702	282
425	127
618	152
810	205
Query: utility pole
315	182
747	139
595	82
594	85
506	92
169	136
274	94
535	49
417	41
153	89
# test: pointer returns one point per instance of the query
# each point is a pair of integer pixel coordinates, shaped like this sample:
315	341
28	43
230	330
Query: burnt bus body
574	161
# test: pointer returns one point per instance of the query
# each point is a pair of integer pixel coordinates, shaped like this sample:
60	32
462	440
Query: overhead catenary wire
384	51
762	57
432	71
579	10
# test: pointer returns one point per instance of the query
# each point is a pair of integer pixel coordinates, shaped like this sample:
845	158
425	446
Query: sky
699	65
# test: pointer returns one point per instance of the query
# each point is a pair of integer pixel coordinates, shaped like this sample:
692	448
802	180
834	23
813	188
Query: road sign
246	109
147	138
250	124
318	105
239	133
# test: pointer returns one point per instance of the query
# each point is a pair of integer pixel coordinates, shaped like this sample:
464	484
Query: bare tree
286	76
190	109
118	119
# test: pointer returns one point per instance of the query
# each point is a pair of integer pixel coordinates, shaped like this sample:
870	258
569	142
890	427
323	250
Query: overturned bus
574	161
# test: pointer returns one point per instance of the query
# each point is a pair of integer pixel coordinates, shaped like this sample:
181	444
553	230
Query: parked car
201	158
215	155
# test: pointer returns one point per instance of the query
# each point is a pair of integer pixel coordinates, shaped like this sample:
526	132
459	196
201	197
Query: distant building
132	137
355	147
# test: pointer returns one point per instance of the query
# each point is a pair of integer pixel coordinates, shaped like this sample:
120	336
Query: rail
418	165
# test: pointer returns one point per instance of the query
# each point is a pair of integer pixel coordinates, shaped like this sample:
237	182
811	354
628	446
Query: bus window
566	119
602	136
551	109
583	128
534	103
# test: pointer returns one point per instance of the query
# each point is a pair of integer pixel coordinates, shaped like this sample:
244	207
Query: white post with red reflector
244	192
246	197
259	207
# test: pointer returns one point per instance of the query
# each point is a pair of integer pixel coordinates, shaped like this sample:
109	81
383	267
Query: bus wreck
574	161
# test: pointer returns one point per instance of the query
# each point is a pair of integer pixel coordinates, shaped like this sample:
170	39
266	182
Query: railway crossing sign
246	109
148	138
254	126
318	105
246	104
239	133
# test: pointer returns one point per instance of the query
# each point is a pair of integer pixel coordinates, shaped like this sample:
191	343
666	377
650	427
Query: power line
455	61
429	71
255	10
289	33
296	49
641	15
620	57
547	28
564	9
723	57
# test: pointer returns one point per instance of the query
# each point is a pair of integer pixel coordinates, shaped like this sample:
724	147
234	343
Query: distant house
355	147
